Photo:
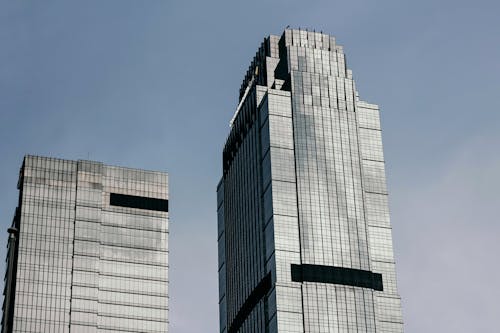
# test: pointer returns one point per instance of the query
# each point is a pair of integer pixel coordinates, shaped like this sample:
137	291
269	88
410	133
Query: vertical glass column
43	286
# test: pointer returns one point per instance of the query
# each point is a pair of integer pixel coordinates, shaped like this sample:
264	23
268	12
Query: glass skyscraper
304	233
87	250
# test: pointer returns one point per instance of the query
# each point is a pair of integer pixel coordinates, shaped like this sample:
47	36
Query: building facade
305	240
87	250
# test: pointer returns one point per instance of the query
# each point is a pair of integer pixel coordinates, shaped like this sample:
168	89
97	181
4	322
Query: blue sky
152	84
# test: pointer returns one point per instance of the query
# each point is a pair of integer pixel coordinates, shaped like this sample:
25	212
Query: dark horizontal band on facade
134	247
118	275
114	315
142	305
121	226
253	299
132	201
337	275
98	243
123	291
112	260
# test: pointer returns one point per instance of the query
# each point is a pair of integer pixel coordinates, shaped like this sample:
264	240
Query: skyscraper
304	234
87	249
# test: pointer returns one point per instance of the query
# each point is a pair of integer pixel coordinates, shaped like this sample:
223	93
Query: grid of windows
85	265
313	195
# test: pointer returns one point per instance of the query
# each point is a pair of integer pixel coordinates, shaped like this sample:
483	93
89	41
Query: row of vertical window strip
242	212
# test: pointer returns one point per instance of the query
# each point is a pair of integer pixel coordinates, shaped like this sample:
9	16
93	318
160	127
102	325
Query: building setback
87	249
304	233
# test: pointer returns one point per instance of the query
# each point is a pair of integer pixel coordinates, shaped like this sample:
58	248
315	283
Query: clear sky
153	84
